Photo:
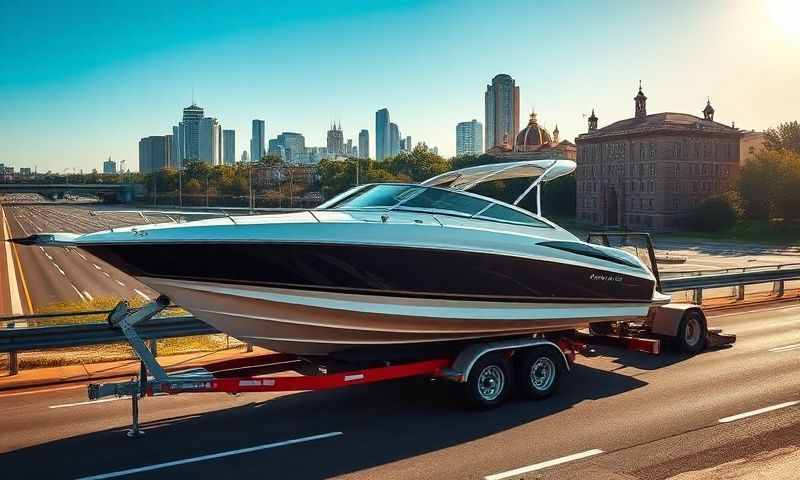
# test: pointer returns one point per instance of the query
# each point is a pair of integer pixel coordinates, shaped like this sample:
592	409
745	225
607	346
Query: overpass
109	193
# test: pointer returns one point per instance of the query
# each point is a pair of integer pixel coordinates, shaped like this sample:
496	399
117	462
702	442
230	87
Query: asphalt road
633	416
56	275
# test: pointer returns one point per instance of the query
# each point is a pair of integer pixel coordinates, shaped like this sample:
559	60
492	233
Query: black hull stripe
411	295
400	271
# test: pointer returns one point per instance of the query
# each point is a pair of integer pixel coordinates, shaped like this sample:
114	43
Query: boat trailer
485	369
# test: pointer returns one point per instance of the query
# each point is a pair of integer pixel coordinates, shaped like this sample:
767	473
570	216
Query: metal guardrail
39	338
15	340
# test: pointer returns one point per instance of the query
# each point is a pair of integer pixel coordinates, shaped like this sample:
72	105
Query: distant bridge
110	193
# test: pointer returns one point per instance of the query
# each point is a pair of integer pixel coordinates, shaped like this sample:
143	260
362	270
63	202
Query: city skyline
594	59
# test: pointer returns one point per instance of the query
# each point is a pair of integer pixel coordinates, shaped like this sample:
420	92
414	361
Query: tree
714	214
769	185
786	136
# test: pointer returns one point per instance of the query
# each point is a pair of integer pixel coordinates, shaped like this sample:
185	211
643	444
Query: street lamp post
180	186
250	186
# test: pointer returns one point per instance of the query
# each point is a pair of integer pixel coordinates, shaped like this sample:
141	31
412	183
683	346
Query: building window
694	187
677	169
641	169
705	169
652	169
650	203
676	203
652	186
641	204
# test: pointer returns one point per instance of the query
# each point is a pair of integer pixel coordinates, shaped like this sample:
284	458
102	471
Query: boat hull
320	323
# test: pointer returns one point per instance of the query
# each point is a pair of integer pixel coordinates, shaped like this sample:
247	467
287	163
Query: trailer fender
666	319
461	367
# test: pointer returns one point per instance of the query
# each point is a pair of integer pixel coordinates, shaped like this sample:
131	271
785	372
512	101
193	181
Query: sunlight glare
786	15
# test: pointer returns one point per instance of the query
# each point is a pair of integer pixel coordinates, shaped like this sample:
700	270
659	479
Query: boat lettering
605	277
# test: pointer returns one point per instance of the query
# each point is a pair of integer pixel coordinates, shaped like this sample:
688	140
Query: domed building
534	142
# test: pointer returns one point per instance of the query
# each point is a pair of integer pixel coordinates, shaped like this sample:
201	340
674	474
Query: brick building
647	172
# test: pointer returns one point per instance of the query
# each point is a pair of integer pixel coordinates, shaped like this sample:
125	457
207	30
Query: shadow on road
382	423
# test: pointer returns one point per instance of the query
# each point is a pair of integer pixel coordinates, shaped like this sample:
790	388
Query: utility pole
180	187
250	181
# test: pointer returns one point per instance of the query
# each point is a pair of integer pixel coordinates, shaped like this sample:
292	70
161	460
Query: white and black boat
384	265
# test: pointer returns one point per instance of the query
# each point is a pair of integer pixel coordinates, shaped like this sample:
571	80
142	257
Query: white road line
79	254
44	390
141	294
78	292
785	348
119	283
549	463
59	269
90	402
13	286
106	274
88	295
745	312
48	256
212	456
95	266
740	416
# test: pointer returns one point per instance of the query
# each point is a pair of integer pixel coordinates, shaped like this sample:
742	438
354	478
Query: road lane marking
212	456
48	256
785	348
43	390
88	295
95	266
120	283
78	292
141	294
106	274
751	413
540	466
21	272
79	254
59	269
13	287
89	402
745	312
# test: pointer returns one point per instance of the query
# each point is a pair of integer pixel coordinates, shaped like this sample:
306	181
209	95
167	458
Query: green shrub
714	214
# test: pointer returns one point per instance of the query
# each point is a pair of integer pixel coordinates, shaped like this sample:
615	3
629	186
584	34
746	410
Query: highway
47	276
619	415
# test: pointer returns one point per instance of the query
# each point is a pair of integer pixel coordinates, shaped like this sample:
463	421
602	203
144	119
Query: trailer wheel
692	332
489	381
539	373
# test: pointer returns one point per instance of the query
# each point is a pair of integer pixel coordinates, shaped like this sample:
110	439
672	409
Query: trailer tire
692	332
489	382
539	372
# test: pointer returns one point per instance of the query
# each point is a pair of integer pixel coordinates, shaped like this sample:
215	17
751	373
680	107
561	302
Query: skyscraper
210	141
409	146
189	138
502	110
228	147
154	153
336	140
109	167
293	144
244	157
469	138
394	139
382	138
363	143
257	141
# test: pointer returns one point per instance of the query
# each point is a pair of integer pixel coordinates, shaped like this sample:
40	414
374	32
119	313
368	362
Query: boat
384	265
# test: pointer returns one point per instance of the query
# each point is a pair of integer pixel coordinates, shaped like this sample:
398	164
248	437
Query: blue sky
80	81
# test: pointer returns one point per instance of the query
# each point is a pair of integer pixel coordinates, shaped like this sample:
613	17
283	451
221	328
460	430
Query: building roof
663	121
533	134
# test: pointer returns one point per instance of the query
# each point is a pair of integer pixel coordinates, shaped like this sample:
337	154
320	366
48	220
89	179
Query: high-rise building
293	145
394	139
502	111
336	140
409	145
469	138
257	141
228	147
210	141
382	138
154	153
363	143
244	157
109	167
189	137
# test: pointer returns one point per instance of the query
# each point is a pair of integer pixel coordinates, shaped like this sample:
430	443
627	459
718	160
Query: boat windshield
415	197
